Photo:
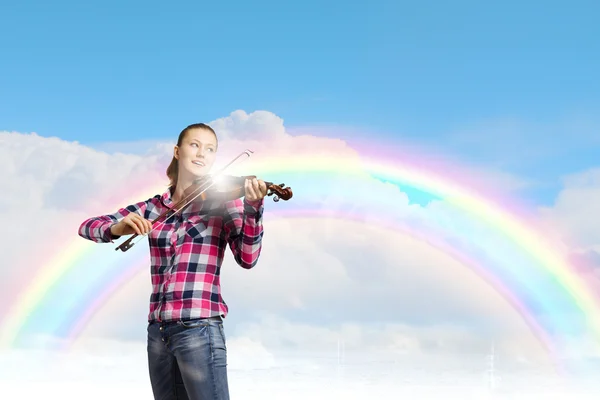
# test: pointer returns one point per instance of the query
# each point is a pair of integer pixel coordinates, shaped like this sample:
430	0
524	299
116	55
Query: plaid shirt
187	251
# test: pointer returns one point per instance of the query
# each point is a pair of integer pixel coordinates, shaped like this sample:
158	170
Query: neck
181	186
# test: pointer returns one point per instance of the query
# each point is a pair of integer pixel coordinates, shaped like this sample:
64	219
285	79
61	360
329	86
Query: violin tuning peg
282	185
275	199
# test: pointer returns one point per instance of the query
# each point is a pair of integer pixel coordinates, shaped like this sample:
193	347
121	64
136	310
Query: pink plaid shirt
187	252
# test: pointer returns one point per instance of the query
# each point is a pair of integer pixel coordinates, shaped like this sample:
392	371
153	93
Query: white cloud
575	218
115	370
476	171
239	128
261	126
317	282
345	276
575	210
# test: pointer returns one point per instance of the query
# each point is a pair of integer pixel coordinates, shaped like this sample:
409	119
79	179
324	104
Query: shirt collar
166	199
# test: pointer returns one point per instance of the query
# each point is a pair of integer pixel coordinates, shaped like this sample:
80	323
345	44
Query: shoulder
156	200
152	203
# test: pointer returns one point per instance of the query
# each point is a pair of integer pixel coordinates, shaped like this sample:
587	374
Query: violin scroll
280	191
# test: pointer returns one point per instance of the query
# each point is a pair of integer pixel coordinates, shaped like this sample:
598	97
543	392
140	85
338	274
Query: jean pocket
222	330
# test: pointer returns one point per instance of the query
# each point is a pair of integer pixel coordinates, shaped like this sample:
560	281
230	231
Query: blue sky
510	86
426	71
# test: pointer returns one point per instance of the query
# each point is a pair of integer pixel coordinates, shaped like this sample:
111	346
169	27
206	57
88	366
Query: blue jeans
187	360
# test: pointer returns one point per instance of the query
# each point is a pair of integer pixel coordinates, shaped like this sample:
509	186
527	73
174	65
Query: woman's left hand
256	189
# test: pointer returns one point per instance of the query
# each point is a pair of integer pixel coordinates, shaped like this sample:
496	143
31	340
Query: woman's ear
176	152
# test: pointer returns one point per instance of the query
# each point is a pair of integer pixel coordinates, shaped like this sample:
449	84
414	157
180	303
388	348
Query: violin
220	189
229	188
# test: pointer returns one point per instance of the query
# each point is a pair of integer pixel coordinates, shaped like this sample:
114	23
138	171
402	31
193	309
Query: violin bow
212	182
126	245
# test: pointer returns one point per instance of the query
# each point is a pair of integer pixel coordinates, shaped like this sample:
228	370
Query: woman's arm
244	230
98	229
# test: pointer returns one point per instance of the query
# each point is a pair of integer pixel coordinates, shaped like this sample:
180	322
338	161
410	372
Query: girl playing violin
187	353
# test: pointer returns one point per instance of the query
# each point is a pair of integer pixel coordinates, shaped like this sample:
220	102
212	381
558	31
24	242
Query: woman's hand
256	189
132	223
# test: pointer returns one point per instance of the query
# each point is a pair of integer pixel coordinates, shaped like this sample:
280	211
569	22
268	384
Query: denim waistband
175	322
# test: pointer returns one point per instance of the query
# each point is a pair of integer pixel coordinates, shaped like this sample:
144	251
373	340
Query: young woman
187	354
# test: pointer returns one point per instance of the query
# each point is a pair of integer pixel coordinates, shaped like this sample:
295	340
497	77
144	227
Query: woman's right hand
132	223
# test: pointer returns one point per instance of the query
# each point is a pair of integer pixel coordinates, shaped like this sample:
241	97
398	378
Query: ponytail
173	173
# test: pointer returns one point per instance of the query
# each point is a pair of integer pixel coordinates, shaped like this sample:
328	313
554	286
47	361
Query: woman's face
197	152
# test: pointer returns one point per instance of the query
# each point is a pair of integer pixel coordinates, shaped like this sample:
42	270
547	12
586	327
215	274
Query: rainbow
516	257
431	238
